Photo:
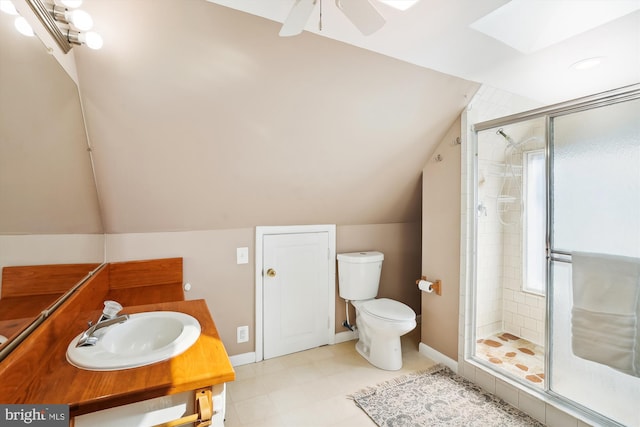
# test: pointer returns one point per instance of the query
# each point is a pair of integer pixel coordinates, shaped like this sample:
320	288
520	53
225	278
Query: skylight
529	26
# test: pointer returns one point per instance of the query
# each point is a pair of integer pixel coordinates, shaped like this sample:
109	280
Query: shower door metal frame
627	93
470	352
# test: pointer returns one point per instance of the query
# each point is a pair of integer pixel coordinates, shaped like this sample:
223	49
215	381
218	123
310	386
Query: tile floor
515	355
310	388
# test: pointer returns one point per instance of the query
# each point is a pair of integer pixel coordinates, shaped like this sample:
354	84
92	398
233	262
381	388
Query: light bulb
93	40
79	19
23	27
7	7
71	3
399	4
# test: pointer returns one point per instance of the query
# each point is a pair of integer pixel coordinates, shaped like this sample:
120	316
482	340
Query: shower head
509	140
513	144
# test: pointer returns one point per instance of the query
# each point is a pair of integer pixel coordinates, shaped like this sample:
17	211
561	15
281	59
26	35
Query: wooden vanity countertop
204	364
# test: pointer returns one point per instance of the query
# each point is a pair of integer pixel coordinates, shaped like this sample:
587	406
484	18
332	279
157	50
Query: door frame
262	231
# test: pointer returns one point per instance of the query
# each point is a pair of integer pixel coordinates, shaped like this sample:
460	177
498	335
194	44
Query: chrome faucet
109	317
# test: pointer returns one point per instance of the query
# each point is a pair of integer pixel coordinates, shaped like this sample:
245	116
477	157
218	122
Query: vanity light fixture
73	17
92	39
67	25
20	23
7	7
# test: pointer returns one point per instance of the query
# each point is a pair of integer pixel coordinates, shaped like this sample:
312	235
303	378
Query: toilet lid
385	308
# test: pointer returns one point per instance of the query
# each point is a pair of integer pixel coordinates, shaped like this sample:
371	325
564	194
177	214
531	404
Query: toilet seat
387	309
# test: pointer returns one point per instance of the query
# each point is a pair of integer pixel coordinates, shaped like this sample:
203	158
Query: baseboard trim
247	358
436	356
243	359
340	337
345	336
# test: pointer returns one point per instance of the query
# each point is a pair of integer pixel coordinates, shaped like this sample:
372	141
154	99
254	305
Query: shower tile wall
524	312
502	306
490	243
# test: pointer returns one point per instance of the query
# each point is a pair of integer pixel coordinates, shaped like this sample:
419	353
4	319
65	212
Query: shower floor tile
515	355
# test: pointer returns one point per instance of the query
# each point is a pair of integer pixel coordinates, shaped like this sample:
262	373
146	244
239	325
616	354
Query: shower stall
510	304
555	277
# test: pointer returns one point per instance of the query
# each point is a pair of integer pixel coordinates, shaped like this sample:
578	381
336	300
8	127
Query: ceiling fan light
399	4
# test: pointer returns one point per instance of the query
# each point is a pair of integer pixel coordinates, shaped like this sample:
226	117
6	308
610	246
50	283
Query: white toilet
380	321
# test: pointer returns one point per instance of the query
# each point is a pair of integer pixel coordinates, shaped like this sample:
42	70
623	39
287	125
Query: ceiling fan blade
298	17
363	15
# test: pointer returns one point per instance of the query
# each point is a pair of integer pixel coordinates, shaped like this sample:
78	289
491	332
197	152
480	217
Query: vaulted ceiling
526	47
199	116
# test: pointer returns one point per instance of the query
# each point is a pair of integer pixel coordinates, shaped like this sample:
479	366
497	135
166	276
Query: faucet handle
111	308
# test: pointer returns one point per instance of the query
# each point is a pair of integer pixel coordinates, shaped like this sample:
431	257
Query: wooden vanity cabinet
37	370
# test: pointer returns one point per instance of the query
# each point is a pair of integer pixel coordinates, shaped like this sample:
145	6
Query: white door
297	292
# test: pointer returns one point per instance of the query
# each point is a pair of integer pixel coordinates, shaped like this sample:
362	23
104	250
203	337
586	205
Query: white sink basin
145	338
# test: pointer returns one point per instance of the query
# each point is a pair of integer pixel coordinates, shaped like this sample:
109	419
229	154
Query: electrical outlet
243	334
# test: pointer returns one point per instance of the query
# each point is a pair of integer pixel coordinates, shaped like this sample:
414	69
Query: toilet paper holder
433	286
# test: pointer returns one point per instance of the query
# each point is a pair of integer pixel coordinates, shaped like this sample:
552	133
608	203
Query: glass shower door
594	234
510	282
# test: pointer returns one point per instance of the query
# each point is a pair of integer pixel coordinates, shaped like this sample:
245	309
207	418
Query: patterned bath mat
437	397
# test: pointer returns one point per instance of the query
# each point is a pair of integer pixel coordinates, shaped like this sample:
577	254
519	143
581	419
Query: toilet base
384	353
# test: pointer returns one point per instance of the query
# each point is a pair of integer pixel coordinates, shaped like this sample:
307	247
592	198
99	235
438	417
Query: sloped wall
222	124
441	244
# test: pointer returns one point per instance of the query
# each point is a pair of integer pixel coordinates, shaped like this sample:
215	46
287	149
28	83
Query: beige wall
441	245
209	266
46	180
229	289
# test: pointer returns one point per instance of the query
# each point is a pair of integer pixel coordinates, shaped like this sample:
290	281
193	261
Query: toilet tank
359	275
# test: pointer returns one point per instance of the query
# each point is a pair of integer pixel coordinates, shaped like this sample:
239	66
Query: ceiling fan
362	13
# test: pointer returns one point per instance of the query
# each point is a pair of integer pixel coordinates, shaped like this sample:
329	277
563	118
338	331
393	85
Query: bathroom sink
143	339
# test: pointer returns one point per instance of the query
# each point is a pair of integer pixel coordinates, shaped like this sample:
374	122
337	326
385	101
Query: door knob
271	272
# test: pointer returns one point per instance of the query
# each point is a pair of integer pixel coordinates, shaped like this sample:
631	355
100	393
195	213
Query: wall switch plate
242	255
243	334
